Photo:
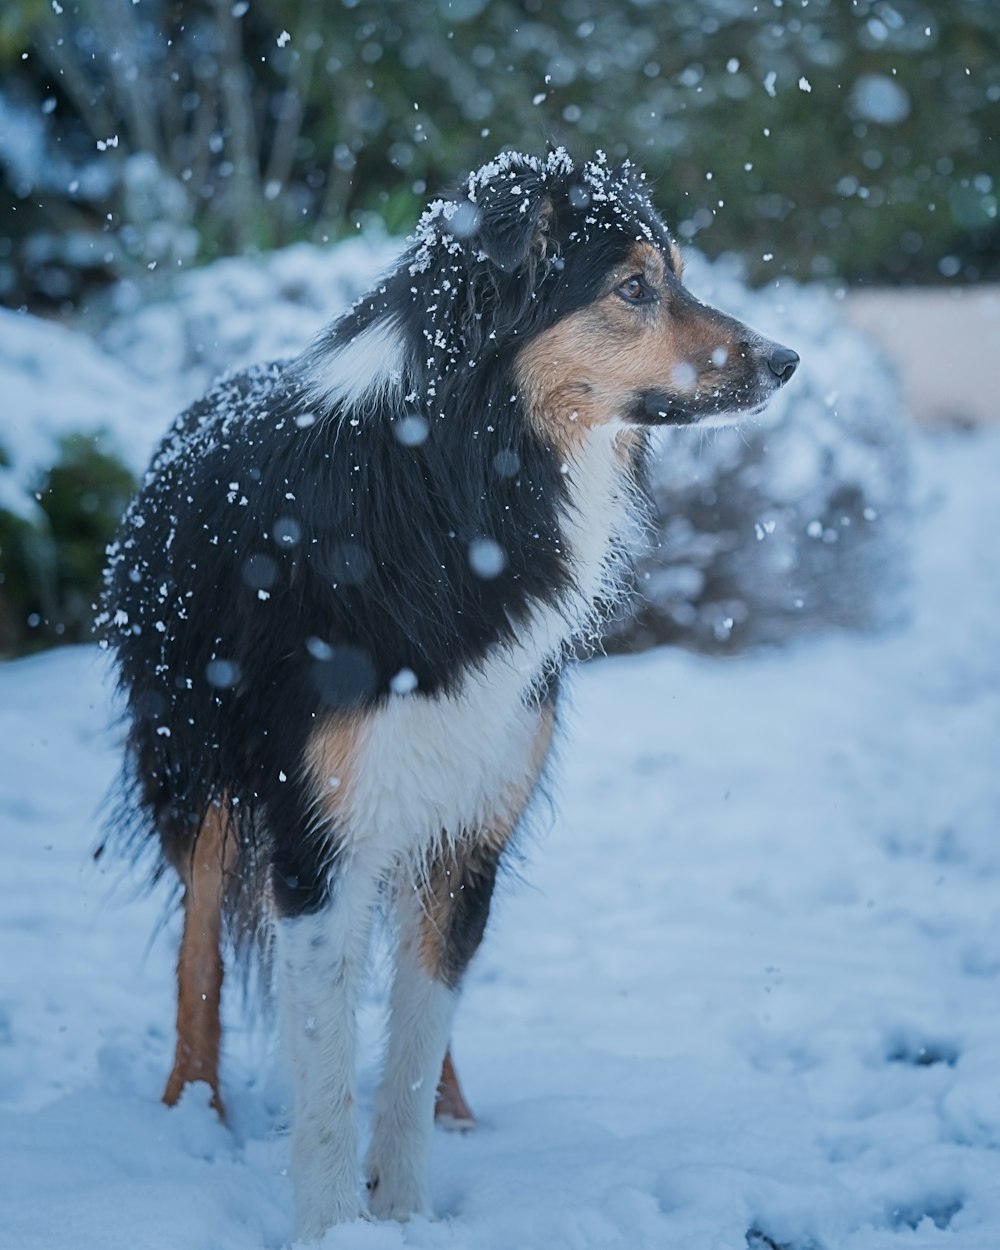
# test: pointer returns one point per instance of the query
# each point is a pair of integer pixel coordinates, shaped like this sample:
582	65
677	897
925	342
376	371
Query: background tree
839	138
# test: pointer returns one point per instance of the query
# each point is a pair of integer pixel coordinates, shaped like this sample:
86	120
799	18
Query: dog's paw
456	1124
314	1218
395	1191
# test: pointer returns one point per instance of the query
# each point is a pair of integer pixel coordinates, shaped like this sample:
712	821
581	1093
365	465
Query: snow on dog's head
564	274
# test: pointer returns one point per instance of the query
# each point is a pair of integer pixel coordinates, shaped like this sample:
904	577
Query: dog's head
568	269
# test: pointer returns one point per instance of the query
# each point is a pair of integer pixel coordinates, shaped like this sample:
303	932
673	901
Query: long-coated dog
343	597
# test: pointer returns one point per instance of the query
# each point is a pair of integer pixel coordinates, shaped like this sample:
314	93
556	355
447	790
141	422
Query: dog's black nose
782	363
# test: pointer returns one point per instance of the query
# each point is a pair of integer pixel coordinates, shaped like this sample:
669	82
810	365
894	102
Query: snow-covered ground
744	992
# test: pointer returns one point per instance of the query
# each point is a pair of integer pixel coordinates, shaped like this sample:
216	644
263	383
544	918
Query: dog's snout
782	362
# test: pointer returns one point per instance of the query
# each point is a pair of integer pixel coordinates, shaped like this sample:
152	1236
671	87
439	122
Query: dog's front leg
442	918
321	965
421	1010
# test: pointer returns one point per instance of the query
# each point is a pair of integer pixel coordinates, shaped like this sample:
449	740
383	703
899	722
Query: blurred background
184	187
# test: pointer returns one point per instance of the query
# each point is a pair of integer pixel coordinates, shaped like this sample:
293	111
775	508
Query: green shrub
50	564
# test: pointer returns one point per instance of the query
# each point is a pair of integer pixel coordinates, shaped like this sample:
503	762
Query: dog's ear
513	219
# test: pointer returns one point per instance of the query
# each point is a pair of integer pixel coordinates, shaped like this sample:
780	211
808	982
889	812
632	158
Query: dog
342	601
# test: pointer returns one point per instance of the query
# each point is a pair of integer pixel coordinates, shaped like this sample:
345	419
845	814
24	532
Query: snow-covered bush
81	419
790	522
237	311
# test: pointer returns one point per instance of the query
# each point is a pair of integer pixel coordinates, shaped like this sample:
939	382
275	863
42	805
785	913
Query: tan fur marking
330	756
628	443
474	858
199	966
677	258
646	259
588	368
540	243
540	748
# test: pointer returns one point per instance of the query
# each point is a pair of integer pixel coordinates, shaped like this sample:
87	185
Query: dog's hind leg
199	966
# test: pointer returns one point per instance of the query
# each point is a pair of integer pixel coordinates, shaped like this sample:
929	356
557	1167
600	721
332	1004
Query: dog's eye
636	290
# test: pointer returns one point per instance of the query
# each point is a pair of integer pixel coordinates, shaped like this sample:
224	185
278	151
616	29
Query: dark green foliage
232	135
50	565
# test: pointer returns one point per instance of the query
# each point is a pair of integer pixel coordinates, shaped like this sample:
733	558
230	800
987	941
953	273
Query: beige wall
945	342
